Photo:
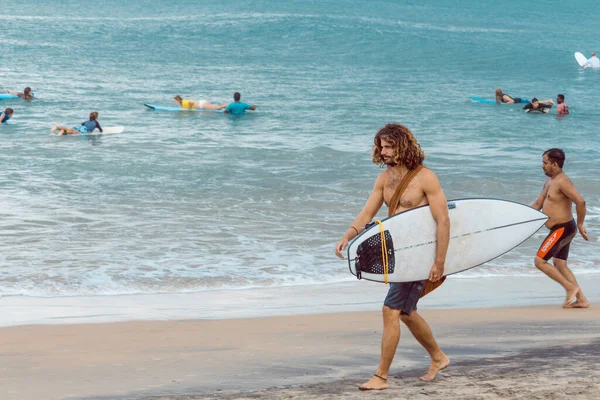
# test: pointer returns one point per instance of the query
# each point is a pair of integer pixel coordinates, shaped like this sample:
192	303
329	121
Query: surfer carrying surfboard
405	184
556	200
197	105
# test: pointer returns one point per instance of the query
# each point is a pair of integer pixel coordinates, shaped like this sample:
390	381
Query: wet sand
546	352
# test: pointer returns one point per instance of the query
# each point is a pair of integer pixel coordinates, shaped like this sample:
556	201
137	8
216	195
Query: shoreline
277	357
353	296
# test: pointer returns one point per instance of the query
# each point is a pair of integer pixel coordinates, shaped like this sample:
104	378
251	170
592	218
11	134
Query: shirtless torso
554	203
413	196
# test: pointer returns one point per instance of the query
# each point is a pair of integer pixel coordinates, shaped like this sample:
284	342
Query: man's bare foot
579	304
571	296
436	366
375	383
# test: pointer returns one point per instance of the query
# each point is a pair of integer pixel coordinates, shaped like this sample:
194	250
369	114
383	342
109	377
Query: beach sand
524	353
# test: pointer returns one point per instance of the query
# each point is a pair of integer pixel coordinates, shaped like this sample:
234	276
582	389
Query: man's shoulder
426	173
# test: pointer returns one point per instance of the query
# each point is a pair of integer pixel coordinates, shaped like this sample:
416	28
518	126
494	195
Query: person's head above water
394	145
237	96
93	116
535	102
178	99
593	54
9	111
27	93
499	92
560	98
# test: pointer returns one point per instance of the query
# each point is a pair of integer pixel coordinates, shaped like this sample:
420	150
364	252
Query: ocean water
187	202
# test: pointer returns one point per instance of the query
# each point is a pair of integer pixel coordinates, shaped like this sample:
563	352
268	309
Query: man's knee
539	262
560	264
390	314
408	319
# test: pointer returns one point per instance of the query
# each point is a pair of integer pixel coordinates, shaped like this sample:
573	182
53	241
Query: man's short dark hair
534	100
556	156
237	96
561	96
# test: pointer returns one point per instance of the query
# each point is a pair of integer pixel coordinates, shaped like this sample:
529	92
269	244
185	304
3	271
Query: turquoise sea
186	202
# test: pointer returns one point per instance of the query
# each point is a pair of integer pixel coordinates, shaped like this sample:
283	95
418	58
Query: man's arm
573	194
439	210
549	101
539	203
369	211
507	100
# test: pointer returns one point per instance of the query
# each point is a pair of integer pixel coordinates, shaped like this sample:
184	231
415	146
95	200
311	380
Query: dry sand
524	353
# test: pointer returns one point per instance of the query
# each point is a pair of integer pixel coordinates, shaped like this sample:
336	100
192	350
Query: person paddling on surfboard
197	105
405	184
6	115
539	106
502	97
85	127
26	95
556	200
237	107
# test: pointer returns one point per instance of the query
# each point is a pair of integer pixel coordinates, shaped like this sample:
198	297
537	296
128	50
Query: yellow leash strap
384	253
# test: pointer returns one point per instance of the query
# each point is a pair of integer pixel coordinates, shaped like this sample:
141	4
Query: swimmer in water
6	115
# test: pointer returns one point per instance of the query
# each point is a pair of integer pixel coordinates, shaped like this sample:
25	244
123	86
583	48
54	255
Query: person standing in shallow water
556	200
396	148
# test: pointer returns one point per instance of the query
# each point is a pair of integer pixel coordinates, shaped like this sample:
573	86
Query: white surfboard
105	131
480	230
109	130
581	59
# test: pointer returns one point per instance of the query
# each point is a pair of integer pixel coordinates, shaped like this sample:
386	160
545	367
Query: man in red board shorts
556	200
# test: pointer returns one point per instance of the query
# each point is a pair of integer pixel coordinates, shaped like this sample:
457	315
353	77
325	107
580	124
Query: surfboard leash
384	253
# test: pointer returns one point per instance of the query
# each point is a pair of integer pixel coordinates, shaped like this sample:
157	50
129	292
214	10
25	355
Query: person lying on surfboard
197	105
404	184
6	115
502	97
85	127
26	95
540	106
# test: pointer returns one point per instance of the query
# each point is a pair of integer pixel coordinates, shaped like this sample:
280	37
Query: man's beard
389	161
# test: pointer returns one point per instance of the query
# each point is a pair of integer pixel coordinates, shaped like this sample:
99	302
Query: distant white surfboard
480	230
105	131
109	130
581	59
